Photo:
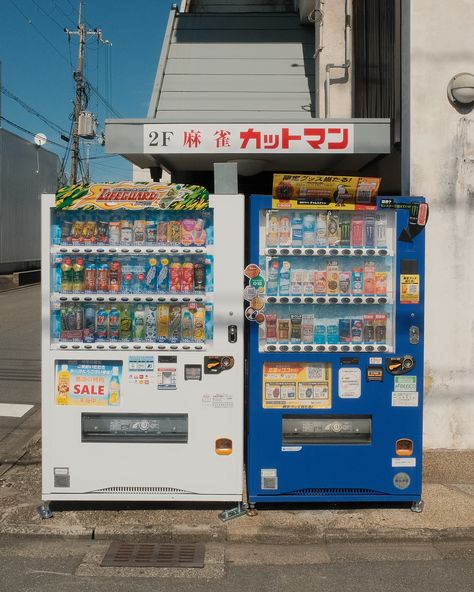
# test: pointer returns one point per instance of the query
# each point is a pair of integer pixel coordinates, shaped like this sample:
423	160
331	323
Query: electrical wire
26	131
30	22
104	101
48	15
33	111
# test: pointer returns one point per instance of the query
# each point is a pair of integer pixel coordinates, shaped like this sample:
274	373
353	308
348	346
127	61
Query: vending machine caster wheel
252	510
418	506
44	511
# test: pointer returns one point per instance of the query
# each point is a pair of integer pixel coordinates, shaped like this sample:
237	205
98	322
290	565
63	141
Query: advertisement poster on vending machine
89	383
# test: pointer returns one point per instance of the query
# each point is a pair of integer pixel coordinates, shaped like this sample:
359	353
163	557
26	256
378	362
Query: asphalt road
20	369
40	565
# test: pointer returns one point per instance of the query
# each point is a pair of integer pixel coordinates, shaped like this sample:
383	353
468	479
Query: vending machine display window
140	279
330	280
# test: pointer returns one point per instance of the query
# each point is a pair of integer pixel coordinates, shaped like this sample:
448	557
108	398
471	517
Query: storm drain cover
154	555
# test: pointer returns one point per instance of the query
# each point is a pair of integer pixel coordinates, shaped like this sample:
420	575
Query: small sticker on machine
218	401
402	399
403	462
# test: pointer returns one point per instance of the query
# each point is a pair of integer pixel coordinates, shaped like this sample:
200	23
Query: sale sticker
88	383
258	283
252	270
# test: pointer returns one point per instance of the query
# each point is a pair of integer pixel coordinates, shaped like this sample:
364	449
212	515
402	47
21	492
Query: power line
33	111
26	131
104	101
30	22
48	15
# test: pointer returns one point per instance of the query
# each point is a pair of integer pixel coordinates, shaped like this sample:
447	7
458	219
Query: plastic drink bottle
126	323
163	323
114	231
273	230
151	232
187	277
89	323
150	323
102	324
139	231
187	231
186	325
175	323
175	277
127	282
309	230
150	275
114	323
272	280
321	230
66	275
90	277
163	275
102	277
64	385
114	387
139	323
285	231
284	279
78	275
297	231
199	324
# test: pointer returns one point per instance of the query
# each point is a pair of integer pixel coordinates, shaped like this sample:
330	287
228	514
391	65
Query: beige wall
442	169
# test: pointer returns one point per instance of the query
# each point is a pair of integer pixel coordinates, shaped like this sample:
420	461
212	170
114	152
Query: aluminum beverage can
76	232
357	231
139	232
114	232
187	277
357	330
103	232
66	232
126	232
344	331
114	324
187	328
175	277
162	233
151	232
370	230
174	232
187	231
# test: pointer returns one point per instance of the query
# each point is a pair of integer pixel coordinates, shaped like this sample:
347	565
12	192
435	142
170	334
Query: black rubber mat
154	555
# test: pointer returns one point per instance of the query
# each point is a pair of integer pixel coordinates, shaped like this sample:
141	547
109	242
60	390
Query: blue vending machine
336	303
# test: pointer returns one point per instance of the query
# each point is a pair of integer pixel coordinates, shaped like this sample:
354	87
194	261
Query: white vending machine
142	343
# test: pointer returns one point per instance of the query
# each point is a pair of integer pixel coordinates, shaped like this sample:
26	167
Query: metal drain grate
154	555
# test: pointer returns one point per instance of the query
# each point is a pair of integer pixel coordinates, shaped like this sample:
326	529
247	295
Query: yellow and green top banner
132	196
324	192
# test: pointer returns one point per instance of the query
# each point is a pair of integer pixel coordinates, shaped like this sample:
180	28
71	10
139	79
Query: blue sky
38	62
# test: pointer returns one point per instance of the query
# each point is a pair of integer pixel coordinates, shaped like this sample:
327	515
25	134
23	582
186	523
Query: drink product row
163	323
138	275
306	328
285	279
128	228
326	229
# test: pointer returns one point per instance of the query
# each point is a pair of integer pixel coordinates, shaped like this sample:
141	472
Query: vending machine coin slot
216	364
167	359
414	335
399	365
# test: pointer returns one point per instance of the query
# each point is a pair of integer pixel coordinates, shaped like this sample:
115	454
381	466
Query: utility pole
83	33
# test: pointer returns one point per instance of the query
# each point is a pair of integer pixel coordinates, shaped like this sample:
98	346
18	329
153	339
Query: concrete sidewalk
448	514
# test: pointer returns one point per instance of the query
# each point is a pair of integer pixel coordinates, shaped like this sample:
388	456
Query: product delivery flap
132	196
324	192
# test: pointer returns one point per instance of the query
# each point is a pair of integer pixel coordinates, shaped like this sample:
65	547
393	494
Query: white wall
442	169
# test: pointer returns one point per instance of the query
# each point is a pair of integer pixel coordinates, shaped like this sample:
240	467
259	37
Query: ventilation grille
331	491
142	490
